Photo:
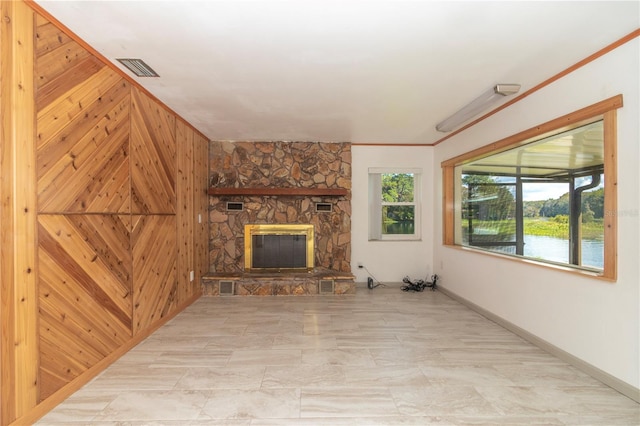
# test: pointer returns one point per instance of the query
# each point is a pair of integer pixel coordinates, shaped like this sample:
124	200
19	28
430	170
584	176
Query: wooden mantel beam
335	192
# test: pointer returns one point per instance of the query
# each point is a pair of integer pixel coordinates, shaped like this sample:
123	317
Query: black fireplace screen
279	251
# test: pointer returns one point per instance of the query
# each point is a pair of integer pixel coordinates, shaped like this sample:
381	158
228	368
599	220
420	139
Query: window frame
376	204
605	110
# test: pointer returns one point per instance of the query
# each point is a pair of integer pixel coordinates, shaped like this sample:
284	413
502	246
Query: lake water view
535	246
403	228
557	250
554	249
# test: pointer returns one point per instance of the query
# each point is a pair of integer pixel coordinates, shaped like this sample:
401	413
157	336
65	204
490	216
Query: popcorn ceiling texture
280	165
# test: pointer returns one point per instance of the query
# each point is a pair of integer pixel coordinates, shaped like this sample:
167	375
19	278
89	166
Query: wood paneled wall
186	227
200	208
101	189
153	156
154	268
18	280
84	293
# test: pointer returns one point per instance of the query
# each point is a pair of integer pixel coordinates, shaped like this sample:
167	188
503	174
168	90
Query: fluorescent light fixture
476	106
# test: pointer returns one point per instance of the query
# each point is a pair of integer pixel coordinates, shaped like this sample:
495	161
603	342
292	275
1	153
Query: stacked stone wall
280	165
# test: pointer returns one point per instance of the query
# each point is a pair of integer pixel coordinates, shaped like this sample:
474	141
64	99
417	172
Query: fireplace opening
279	251
279	247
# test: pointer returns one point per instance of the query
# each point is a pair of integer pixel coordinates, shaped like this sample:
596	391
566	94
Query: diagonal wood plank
48	36
84	168
84	293
153	240
93	175
56	57
54	117
153	156
67	80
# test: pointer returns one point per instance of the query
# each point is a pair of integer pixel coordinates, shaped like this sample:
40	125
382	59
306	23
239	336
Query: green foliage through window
397	187
394	203
397	191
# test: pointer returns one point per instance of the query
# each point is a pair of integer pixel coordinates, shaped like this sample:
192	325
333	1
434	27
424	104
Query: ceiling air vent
138	67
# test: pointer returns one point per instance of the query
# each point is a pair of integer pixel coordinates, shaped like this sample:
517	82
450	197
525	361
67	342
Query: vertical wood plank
448	205
18	231
610	195
201	207
6	219
184	210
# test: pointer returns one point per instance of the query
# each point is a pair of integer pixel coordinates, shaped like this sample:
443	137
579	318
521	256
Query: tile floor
380	357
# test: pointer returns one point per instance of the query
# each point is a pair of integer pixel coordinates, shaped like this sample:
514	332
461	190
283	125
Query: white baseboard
624	388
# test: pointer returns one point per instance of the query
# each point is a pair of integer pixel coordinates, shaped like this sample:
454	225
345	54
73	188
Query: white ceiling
356	71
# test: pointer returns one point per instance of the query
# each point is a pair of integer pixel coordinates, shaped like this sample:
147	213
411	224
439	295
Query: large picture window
394	209
546	195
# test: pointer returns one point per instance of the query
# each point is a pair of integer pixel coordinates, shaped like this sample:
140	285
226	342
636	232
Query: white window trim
376	204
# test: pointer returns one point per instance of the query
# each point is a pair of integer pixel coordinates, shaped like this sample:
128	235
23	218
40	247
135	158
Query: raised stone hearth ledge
320	281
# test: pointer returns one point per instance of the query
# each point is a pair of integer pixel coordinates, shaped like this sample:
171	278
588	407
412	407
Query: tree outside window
394	205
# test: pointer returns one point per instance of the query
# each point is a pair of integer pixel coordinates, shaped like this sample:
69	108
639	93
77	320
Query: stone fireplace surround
278	246
297	175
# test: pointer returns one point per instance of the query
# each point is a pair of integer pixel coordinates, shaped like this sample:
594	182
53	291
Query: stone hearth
319	281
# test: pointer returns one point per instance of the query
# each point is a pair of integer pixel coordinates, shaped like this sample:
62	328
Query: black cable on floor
420	285
371	287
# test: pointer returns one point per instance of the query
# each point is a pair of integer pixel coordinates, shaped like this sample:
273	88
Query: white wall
390	261
594	320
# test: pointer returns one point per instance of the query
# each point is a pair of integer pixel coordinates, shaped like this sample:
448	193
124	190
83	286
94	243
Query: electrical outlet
192	276
360	265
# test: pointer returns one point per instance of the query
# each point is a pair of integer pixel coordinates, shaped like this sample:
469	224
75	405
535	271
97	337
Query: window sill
553	266
395	239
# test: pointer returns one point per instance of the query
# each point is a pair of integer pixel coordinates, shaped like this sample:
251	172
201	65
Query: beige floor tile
81	407
381	357
438	400
124	377
154	405
385	377
304	376
222	378
335	356
252	404
347	403
298	341
260	357
239	342
206	357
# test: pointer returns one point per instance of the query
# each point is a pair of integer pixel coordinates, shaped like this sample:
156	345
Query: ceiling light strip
475	107
629	37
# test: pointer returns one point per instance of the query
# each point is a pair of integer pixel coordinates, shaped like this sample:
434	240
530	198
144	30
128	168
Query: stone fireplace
280	184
